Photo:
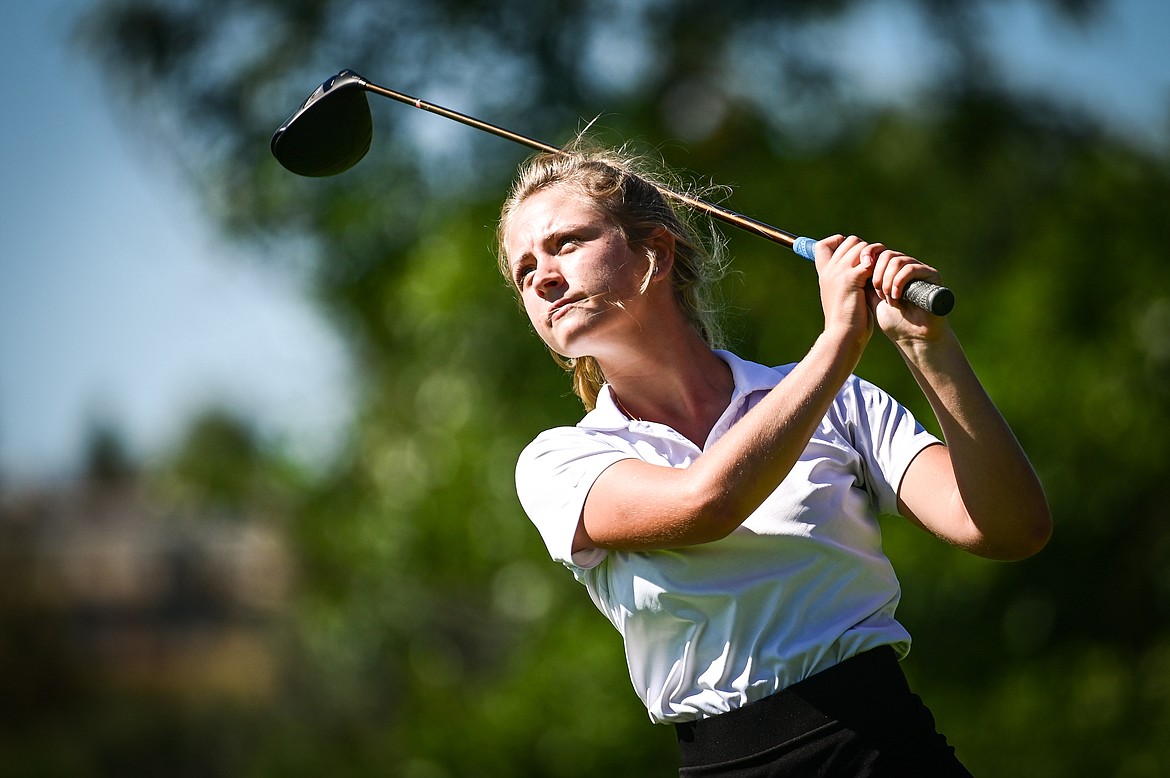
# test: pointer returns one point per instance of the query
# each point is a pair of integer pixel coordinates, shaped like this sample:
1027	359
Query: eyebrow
554	234
557	231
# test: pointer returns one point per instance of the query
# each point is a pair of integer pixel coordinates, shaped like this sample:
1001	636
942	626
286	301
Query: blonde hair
616	183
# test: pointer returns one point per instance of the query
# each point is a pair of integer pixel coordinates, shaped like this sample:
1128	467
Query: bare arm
636	505
978	492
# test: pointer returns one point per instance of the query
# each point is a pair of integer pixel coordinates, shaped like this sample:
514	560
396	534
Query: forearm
997	493
635	505
755	456
738	473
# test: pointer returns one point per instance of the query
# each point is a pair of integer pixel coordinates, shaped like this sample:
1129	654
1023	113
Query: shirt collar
748	377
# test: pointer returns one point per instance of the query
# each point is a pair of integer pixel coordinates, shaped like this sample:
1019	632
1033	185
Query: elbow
1020	549
714	515
1031	535
1040	532
1033	523
1038	529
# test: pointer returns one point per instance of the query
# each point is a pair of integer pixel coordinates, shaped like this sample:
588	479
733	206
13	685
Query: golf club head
330	132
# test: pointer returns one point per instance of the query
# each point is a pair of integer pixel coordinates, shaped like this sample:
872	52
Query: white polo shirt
801	585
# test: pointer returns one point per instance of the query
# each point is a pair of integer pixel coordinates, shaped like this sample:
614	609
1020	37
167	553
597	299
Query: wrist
842	344
937	352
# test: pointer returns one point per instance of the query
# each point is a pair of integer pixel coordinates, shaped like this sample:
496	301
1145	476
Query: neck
682	384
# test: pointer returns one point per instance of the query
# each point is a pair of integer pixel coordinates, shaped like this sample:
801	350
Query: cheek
532	308
625	277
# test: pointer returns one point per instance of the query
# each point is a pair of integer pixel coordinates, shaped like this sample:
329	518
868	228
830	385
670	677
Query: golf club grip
939	300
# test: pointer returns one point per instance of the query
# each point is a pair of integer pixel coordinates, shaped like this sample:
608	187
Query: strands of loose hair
627	187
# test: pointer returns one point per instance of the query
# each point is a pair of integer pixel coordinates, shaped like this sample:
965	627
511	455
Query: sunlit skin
579	279
585	291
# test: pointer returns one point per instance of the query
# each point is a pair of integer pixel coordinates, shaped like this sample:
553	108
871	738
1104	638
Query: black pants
856	719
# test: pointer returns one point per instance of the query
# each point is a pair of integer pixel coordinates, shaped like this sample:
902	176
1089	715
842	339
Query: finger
852	253
845	254
873	251
884	270
912	270
826	247
898	270
850	245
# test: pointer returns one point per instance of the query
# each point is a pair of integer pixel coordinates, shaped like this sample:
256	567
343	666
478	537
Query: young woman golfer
722	514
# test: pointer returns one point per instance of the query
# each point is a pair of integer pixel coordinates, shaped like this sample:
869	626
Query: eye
522	272
567	241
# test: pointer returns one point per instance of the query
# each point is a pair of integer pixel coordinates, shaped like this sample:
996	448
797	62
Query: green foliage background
430	635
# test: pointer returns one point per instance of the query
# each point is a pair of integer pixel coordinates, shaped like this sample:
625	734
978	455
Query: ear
661	246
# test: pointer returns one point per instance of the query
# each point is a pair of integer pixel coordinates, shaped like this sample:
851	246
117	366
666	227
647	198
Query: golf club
331	131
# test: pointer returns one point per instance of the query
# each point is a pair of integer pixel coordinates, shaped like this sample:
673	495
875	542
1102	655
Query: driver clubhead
330	132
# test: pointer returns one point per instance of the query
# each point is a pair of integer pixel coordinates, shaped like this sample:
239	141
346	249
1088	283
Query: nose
549	283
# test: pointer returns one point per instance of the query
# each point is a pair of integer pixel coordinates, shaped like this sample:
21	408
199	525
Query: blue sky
119	303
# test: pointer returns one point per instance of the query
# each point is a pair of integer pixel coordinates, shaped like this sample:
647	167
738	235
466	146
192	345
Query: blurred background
257	431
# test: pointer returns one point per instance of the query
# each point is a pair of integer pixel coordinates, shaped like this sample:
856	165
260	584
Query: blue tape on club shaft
805	247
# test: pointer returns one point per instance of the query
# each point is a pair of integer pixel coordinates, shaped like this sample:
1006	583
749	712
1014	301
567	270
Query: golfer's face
576	274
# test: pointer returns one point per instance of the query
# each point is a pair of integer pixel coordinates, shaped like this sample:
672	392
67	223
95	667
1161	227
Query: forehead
546	212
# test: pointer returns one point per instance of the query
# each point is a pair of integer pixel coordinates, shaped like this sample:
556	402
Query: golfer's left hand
898	319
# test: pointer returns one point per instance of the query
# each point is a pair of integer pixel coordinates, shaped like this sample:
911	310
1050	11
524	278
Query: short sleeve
553	477
887	437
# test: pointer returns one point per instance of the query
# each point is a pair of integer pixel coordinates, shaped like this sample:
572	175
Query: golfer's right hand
843	270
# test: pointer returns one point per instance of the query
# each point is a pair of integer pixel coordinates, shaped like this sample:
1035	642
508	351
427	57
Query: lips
560	308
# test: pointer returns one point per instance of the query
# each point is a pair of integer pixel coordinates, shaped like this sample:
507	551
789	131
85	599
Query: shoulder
863	402
554	475
562	451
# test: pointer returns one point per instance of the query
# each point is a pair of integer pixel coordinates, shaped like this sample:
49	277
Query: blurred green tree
433	638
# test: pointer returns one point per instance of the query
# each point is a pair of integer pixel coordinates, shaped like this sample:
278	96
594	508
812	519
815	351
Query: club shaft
931	297
718	212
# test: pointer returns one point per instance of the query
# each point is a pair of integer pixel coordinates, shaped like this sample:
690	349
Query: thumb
826	246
